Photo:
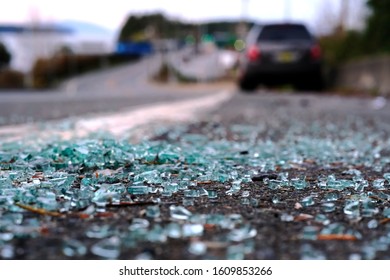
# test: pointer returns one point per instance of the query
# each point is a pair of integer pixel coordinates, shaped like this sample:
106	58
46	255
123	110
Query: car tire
315	83
247	85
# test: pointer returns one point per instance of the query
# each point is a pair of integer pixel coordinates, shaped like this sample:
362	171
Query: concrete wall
368	74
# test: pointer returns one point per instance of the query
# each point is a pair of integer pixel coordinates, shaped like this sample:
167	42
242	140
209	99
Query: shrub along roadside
47	73
11	79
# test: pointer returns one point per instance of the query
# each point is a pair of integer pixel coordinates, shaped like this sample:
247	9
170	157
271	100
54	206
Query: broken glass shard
188	201
232	191
245	201
333	228
361	185
379	184
307	201
245	194
203	192
236	184
212	194
6	236
254	202
298	183
372	224
144	256
286	217
192	230
386	212
172	187
138	190
387	177
274	184
276	199
7	251
166	193
235	252
328	207
153	211
109	248
197	248
191	193
74	248
309	252
369	252
241	233
139	224
157	234
334	185
331	196
173	230
179	212
322	219
96	231
351	208
309	232
355	256
369	208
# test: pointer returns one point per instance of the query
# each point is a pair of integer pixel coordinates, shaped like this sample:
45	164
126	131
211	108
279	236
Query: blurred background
43	42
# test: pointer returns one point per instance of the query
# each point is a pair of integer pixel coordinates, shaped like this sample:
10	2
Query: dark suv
285	53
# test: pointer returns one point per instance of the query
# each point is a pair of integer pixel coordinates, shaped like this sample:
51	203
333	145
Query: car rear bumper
293	69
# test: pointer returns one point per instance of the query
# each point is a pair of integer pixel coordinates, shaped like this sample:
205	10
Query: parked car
281	53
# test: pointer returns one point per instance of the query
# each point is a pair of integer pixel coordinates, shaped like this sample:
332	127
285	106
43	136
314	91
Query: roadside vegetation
49	72
343	45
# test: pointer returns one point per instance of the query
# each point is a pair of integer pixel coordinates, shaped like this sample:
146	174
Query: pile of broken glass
168	179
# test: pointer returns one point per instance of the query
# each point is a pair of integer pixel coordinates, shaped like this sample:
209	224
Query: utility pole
242	27
344	14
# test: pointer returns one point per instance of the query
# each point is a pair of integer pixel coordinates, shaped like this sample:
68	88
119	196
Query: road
128	87
111	90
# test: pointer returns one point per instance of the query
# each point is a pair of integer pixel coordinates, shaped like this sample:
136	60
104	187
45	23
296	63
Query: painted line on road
118	124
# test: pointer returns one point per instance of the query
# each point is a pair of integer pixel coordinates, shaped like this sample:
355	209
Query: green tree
377	34
136	27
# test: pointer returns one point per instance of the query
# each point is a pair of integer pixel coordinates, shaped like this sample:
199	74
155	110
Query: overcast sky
111	14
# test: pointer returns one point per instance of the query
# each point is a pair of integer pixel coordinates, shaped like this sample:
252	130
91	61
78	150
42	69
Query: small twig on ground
342	237
384	221
38	210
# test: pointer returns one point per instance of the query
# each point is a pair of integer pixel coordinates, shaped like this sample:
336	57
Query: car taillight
253	53
315	52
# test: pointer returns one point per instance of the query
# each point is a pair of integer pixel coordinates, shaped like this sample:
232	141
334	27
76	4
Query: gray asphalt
274	105
129	86
110	90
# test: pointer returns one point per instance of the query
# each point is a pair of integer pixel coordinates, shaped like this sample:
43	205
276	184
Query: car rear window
283	33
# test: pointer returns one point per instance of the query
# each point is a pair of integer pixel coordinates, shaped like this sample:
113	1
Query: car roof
252	36
280	23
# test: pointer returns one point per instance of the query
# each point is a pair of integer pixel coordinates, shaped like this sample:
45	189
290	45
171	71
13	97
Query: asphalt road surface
109	90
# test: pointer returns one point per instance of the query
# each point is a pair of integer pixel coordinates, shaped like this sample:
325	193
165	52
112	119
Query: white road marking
117	124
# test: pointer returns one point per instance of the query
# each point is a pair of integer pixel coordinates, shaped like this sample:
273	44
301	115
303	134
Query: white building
28	43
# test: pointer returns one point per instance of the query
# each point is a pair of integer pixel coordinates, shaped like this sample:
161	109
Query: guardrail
368	74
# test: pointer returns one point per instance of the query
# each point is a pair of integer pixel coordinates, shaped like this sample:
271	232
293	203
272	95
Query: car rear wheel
313	83
247	85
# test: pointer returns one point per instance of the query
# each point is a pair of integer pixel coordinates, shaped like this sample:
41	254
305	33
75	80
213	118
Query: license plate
286	57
